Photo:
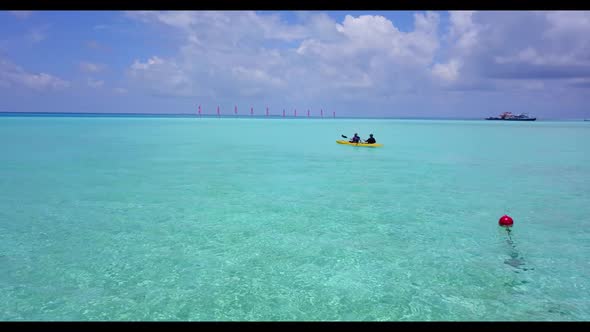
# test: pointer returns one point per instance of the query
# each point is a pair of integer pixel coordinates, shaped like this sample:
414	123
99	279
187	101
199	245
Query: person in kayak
371	140
355	139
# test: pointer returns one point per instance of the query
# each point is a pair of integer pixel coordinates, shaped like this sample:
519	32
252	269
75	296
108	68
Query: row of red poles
267	114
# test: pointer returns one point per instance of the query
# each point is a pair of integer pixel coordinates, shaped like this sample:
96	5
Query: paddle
343	136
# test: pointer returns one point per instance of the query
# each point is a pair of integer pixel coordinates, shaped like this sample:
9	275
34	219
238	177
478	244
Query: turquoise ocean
210	219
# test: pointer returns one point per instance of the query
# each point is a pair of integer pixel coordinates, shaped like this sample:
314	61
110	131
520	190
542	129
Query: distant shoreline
192	115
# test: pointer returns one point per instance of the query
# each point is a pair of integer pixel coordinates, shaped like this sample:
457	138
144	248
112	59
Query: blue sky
357	63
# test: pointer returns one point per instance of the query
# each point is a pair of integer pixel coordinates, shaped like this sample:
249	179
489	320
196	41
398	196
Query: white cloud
94	45
21	13
463	32
178	19
367	57
95	83
233	26
255	74
531	56
153	61
526	55
162	77
369	35
227	53
354	60
13	75
528	46
90	67
448	72
562	23
534	85
36	35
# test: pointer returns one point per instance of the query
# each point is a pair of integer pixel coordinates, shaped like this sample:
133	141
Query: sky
457	64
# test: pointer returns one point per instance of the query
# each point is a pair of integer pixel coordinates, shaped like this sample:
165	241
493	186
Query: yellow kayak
375	145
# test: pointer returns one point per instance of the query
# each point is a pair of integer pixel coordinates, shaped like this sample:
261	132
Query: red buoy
506	221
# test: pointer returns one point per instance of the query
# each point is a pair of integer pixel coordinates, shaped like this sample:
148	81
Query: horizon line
195	115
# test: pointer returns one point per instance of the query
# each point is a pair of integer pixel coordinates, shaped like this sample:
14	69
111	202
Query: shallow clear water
259	219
